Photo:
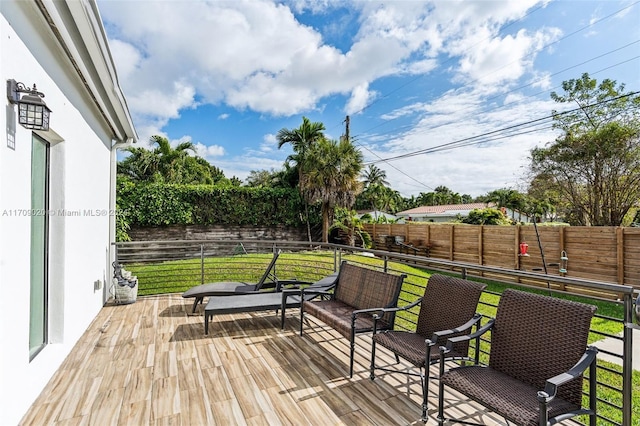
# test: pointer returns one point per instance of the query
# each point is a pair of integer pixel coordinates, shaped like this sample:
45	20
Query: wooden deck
150	363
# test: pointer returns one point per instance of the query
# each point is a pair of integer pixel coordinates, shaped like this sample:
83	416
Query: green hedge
157	204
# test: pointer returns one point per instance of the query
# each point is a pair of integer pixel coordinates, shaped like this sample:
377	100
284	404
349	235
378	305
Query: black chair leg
372	375
592	393
424	378
353	349
301	314
441	393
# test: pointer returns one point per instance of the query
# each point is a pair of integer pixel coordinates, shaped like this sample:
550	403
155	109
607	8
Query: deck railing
165	266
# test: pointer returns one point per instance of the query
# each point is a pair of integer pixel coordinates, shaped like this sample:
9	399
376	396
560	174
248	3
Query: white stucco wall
78	244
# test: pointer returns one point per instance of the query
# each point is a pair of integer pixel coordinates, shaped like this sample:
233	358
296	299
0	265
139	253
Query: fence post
451	236
201	263
480	245
620	254
516	251
386	264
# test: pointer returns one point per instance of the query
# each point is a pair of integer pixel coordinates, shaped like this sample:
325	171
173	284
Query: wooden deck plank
149	363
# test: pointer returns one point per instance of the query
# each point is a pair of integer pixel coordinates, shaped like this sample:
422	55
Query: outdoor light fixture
564	260
33	113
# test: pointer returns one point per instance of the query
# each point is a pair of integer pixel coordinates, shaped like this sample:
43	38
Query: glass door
39	245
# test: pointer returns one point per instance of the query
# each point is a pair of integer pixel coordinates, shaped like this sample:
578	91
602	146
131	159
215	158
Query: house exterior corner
56	191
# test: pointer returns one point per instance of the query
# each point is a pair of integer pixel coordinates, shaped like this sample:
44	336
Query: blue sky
412	76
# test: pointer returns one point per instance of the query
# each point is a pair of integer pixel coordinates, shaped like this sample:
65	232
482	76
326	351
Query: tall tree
595	163
375	182
330	177
301	140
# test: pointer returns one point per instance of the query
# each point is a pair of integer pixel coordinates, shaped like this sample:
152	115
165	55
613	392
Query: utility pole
346	130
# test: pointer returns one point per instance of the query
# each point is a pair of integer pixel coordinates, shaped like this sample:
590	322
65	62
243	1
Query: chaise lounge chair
265	301
269	281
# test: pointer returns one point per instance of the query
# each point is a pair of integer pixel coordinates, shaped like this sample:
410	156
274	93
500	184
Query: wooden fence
609	254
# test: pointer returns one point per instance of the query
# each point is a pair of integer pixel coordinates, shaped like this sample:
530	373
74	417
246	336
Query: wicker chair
447	309
536	362
359	294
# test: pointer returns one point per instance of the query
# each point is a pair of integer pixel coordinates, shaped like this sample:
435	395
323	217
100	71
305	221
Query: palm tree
301	140
163	163
375	181
507	198
390	200
374	175
330	176
140	165
171	160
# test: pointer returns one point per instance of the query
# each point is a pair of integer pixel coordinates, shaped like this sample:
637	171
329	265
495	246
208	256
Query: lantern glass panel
32	116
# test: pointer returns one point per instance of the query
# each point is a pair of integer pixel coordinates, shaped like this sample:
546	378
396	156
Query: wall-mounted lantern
33	113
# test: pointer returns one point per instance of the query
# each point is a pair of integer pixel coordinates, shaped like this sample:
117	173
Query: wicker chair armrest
443	333
325	291
479	332
551	385
396	309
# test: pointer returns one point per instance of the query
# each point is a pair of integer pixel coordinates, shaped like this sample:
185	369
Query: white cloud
361	96
269	143
209	151
504	59
223	116
261	58
404	111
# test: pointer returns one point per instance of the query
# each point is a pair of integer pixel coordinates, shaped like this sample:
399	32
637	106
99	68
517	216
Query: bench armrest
367	311
551	385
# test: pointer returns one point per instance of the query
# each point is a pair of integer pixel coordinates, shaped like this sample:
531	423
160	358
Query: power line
492	109
477	139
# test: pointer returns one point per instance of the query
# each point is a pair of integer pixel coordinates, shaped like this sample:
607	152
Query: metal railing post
201	263
627	359
386	263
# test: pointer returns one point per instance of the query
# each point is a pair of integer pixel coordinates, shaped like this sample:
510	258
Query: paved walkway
614	345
